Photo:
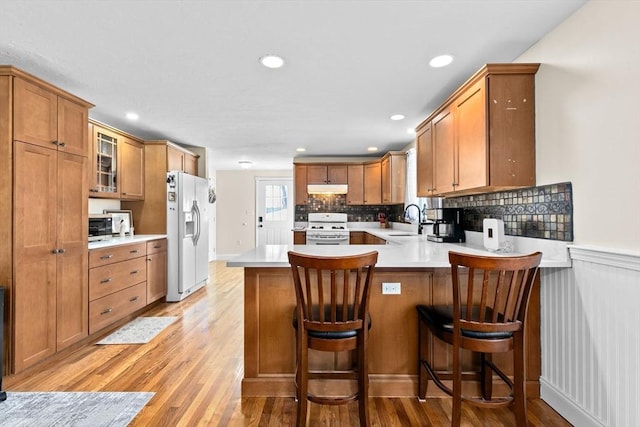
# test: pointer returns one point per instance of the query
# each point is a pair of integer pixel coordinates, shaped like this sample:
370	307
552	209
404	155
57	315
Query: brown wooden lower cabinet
269	340
364	238
107	310
156	270
299	238
356	237
123	279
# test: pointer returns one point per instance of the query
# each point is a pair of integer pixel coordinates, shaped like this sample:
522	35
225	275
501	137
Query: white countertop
117	240
402	251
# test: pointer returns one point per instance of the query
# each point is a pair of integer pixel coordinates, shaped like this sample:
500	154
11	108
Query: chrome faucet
419	216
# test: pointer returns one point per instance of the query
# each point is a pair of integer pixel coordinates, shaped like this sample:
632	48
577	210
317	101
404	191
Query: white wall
96	206
236	209
588	120
588	132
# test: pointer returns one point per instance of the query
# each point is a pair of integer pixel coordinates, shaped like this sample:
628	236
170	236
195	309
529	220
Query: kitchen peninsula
421	268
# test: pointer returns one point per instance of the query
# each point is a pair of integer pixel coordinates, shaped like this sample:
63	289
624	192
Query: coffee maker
447	225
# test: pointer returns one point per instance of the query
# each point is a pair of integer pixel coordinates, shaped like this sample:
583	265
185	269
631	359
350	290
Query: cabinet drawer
108	309
98	257
111	278
156	246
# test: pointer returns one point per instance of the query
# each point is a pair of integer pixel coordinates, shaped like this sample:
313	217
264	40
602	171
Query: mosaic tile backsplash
338	203
544	212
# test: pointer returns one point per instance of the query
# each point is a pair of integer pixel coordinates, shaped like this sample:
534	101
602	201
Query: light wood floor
195	369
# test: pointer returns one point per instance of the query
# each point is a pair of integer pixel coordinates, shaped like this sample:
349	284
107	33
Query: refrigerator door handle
196	235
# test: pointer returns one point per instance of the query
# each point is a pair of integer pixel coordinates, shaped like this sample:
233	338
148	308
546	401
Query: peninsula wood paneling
270	340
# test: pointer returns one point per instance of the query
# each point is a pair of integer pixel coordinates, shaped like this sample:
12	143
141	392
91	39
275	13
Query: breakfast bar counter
421	268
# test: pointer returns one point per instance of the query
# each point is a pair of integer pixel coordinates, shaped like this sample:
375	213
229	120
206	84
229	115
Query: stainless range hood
327	189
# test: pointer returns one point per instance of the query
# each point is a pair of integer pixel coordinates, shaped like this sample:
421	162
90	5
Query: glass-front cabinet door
105	161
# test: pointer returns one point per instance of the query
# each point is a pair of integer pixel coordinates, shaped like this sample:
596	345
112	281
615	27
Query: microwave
100	227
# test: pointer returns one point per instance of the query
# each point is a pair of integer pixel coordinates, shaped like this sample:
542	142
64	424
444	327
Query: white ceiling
190	68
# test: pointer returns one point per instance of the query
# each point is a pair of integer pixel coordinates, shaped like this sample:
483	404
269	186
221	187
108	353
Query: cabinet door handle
135	251
134	272
149	259
55	251
134	299
106	256
61	251
107	280
157	247
108	310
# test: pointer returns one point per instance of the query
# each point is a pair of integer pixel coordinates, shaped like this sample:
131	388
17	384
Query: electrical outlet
391	288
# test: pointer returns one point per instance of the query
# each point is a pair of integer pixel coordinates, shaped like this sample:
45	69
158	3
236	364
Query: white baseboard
567	408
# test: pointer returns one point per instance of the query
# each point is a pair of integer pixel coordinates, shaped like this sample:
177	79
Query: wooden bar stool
331	315
487	316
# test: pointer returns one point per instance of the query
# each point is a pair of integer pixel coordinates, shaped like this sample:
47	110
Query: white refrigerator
187	234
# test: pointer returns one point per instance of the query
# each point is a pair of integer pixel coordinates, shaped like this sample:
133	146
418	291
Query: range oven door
327	239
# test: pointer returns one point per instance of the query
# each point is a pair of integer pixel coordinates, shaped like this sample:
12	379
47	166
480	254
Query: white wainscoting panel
590	337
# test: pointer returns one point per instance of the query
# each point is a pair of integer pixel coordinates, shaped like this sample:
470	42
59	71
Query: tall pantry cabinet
43	217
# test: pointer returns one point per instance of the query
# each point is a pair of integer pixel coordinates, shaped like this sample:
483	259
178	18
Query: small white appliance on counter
327	229
493	234
187	234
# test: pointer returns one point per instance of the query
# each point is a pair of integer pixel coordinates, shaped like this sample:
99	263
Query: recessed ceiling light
411	131
441	61
397	117
132	116
272	61
245	164
301	150
372	149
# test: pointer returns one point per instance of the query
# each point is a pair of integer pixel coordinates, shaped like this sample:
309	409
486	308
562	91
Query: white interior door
274	211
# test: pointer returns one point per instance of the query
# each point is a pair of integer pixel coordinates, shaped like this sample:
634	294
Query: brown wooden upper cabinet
300	183
482	137
326	174
118	164
178	159
367	182
355	188
373	183
44	118
132	171
393	174
443	151
424	161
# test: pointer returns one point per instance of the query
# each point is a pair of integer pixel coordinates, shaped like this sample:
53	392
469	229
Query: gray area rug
91	409
139	331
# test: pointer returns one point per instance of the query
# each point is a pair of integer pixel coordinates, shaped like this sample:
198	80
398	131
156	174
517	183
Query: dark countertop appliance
100	227
447	225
